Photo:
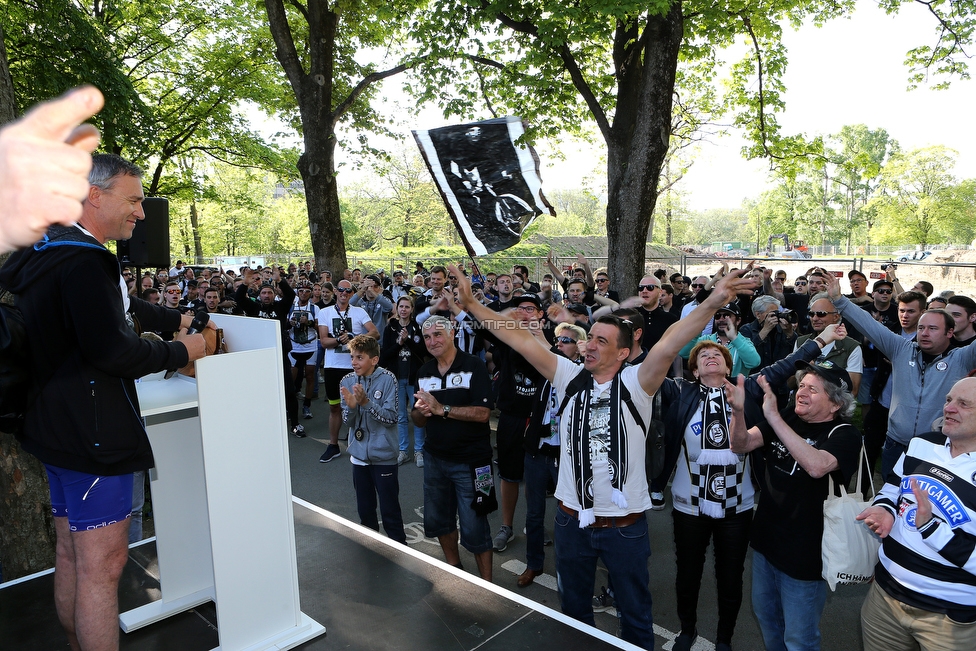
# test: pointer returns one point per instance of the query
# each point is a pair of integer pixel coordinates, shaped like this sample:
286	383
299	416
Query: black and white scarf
582	453
717	463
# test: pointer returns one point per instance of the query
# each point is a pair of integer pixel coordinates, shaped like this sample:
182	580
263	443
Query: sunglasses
603	280
820	314
883	291
345	290
566	340
698	285
800	284
649	288
173	291
303	289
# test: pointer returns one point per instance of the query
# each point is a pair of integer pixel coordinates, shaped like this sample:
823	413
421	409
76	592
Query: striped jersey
932	567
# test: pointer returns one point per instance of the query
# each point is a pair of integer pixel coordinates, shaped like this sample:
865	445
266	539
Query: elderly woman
801	446
712	490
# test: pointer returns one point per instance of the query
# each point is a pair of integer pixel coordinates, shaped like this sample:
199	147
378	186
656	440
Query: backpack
15	367
654	450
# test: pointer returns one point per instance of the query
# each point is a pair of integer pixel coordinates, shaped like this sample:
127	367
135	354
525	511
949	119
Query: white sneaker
402	457
419	458
657	501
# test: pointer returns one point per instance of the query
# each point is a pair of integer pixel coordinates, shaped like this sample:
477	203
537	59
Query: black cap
855	272
882	283
828	371
578	308
398	272
732	308
375	279
528	298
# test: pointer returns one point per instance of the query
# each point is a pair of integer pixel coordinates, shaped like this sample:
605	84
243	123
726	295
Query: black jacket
85	357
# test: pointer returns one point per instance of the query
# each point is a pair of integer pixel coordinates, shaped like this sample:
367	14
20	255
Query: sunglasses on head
566	340
649	288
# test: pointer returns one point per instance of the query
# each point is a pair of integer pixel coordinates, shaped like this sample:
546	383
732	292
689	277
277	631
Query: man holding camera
845	354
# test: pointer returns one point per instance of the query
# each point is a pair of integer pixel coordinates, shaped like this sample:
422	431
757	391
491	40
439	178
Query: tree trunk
26	524
195	229
638	145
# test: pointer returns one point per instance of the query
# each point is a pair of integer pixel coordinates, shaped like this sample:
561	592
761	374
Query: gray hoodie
376	421
918	390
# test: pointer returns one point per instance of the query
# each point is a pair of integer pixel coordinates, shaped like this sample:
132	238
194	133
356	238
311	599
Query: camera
889	265
790	316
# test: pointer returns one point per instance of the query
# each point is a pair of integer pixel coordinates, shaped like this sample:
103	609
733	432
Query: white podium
221	493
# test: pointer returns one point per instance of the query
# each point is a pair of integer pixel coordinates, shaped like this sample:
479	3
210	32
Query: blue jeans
625	551
890	452
382	481
539	468
788	609
404	404
448	495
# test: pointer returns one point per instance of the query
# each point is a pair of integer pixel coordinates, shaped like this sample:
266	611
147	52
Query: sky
851	71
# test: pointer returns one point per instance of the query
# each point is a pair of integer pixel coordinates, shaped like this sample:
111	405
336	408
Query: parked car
913	256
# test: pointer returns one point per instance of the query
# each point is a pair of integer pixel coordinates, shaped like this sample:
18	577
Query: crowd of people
747	463
580	372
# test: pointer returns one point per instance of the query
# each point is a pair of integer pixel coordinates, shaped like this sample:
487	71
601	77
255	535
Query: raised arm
557	275
519	339
655	366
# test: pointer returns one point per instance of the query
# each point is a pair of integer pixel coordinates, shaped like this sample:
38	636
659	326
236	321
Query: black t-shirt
517	381
888	318
466	384
656	322
788	527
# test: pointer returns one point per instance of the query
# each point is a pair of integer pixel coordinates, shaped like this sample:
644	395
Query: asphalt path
329	485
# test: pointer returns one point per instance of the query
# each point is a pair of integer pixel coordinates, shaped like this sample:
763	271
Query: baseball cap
855	272
731	308
529	298
882	283
577	308
827	371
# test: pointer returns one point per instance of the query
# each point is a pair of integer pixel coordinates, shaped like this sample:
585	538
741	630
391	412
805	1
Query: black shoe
299	431
684	641
330	453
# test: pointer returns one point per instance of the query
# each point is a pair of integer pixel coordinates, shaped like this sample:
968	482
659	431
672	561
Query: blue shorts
448	494
89	501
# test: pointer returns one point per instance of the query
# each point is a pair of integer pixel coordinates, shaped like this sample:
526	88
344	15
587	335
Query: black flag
491	186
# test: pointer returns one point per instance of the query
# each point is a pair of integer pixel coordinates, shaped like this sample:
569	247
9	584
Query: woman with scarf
712	492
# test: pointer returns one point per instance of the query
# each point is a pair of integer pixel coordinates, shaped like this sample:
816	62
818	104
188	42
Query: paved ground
330	485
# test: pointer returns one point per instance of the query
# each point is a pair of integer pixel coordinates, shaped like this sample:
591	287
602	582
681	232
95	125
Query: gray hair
436	321
105	167
820	295
762	303
840	396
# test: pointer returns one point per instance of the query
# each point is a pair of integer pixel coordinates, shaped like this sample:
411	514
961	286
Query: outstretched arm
654	368
519	339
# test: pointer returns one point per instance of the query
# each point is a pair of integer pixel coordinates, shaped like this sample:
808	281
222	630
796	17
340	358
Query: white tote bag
850	548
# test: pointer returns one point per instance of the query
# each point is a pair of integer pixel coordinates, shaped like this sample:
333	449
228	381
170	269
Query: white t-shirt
352	319
682	488
635	484
304	338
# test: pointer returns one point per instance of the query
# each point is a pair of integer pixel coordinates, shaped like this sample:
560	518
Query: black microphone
200	321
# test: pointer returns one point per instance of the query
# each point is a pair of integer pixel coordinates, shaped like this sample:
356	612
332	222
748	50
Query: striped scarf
585	452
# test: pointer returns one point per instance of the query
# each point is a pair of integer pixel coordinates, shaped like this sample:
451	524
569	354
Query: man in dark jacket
84	422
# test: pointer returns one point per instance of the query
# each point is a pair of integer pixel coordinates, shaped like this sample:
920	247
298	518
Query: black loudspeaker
149	245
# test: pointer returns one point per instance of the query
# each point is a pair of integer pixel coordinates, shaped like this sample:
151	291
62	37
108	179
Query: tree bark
638	144
26	524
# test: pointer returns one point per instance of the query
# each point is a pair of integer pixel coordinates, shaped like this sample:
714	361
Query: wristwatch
447	410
